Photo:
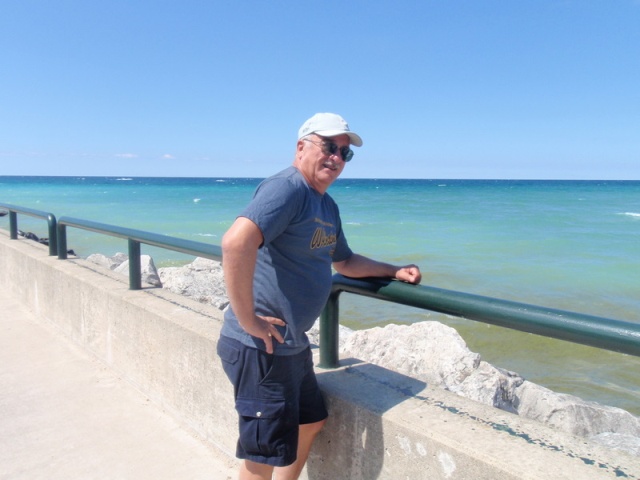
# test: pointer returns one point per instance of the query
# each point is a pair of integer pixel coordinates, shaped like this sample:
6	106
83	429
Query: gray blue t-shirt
302	237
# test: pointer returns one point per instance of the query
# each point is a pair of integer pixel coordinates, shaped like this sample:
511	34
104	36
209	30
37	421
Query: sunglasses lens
329	148
332	148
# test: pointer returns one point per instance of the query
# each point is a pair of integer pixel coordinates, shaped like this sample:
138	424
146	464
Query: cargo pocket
263	428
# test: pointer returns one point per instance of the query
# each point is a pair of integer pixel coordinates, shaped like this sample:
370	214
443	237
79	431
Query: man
277	259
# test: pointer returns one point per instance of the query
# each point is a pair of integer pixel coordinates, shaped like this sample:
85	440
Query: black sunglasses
330	148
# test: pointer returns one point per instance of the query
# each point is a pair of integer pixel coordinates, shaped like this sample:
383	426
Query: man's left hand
409	274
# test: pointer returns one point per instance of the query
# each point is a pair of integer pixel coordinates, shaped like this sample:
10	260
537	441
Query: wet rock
41	240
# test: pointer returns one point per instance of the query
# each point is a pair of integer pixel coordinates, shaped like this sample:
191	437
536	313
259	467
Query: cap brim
355	139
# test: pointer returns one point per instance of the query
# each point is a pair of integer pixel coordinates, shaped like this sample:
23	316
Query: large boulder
201	280
437	354
343	334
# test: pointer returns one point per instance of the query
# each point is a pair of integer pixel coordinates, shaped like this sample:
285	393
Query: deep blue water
573	245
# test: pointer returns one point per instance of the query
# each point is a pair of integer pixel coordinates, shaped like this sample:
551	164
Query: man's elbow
342	267
227	244
227	241
240	241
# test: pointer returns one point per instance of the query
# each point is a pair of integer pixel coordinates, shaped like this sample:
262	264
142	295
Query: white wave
631	214
196	200
123	179
205	235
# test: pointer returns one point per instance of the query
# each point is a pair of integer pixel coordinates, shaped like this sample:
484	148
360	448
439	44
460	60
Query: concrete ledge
383	425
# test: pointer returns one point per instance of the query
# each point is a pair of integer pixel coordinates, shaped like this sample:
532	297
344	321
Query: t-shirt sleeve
273	207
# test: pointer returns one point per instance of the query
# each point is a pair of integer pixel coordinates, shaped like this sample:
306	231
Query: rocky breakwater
429	351
437	354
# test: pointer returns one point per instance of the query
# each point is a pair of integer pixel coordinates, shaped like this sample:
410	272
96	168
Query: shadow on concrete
352	442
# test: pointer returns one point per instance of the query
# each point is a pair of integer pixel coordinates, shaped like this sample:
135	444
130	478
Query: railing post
329	332
53	237
13	225
62	241
135	274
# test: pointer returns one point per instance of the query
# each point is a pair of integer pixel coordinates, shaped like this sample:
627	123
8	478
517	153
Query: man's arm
358	266
239	253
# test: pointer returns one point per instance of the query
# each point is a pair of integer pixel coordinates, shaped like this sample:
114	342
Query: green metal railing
606	333
49	217
135	238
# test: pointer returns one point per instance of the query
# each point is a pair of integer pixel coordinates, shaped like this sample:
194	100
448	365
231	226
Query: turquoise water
573	245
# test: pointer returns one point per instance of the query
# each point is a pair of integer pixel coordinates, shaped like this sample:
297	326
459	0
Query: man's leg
255	471
307	435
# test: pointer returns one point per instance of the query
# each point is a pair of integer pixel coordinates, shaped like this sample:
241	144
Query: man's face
319	168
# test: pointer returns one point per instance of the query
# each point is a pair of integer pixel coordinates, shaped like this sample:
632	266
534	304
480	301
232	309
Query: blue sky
437	89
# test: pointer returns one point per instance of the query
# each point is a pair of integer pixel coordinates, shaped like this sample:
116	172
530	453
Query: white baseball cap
328	125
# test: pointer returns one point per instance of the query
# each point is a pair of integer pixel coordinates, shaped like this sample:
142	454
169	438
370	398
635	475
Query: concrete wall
383	425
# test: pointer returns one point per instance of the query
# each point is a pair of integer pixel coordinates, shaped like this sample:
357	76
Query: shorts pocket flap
228	353
260	407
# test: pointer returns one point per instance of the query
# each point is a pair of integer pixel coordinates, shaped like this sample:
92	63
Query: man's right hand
264	329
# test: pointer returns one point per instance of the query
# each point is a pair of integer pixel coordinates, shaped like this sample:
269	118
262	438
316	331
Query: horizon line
536	179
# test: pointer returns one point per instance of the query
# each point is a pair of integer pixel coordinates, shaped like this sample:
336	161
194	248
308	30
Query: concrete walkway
65	415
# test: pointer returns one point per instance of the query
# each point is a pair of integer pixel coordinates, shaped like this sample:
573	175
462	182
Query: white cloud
168	156
126	155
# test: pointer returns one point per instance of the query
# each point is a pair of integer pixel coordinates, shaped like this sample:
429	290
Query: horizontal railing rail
134	239
49	217
605	333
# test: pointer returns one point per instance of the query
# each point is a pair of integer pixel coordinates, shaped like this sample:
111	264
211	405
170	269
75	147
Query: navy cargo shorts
274	395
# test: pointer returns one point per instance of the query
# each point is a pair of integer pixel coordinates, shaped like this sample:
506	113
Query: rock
148	271
108	262
572	414
627	443
437	354
29	235
428	351
201	280
343	333
119	263
490	385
